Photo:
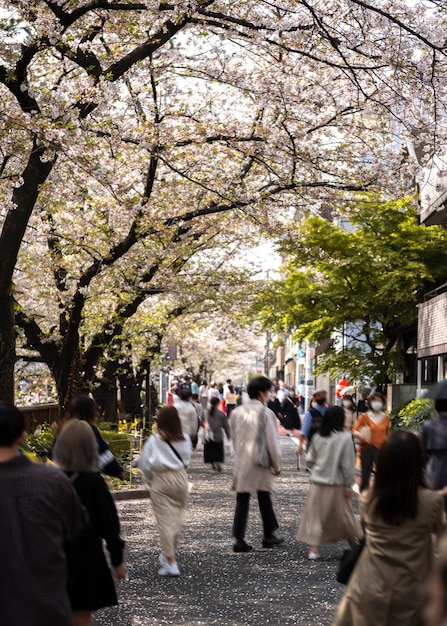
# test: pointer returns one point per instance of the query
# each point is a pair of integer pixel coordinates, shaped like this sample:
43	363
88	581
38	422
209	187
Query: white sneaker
313	556
169	570
162	559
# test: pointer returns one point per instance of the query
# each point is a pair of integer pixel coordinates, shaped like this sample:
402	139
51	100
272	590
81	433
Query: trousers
368	458
241	513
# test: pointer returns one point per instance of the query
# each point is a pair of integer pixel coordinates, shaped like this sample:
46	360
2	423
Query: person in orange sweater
370	430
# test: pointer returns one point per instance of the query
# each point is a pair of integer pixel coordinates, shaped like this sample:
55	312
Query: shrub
414	414
39	443
119	443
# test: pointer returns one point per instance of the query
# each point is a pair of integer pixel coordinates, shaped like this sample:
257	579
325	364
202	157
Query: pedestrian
203	394
230	399
348	405
434	441
328	516
90	582
290	412
39	512
313	418
249	477
217	423
186	410
85	409
195	389
398	516
226	386
213	392
370	430
164	459
281	392
275	405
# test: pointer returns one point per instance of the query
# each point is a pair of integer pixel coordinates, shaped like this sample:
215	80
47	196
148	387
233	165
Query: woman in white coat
163	462
249	477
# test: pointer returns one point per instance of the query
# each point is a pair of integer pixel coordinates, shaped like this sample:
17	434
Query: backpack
317	420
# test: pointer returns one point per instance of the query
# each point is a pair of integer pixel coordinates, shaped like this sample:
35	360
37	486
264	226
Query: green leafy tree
358	284
414	414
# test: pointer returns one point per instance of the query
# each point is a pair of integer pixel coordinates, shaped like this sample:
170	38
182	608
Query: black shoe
272	540
241	546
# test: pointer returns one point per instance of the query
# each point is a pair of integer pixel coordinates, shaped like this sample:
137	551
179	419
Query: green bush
395	413
39	443
119	443
107	426
414	414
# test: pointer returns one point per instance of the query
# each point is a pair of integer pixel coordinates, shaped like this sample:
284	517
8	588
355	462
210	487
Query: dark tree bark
7	346
106	398
14	227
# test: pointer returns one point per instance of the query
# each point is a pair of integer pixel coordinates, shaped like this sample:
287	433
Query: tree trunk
12	233
7	347
69	380
106	398
131	388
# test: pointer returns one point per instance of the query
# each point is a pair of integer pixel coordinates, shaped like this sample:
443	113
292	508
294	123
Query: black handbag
348	562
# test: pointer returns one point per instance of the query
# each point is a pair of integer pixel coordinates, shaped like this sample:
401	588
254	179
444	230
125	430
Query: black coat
107	462
275	406
291	417
90	583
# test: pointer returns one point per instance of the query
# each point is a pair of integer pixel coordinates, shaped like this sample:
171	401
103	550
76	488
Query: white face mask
376	405
346	404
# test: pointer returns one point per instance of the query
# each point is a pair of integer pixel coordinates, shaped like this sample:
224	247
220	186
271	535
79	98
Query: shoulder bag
177	454
348	562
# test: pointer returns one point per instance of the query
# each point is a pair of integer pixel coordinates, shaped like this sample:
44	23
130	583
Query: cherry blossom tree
136	136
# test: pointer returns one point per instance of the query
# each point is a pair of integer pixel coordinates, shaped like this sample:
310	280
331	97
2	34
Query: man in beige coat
249	477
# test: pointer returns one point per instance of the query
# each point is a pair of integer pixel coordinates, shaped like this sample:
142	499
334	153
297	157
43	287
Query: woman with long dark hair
399	516
163	461
328	516
217	422
85	409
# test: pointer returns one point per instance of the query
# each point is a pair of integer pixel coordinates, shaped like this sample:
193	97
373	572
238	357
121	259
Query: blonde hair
76	449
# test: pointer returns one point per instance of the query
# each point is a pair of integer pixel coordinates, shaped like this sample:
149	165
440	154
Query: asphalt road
277	586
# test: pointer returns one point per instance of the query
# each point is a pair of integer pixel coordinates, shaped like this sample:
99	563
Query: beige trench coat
249	477
387	585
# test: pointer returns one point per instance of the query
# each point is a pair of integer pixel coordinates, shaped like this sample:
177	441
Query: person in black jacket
86	409
274	404
90	584
289	409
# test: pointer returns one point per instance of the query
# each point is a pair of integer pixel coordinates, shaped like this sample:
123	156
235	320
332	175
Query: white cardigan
158	456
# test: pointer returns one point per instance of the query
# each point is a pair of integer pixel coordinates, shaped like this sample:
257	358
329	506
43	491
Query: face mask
320	401
267	397
376	405
347	404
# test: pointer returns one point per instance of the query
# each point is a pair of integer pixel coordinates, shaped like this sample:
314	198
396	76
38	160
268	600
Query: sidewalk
276	587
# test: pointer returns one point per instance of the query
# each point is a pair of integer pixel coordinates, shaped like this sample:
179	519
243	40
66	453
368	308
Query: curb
130	494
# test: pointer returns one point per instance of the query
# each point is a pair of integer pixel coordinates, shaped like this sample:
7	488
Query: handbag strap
176	453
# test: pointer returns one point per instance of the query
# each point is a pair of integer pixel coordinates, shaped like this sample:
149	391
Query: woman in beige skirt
163	461
328	516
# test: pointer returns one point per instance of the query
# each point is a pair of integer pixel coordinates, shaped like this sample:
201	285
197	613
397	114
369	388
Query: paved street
278	586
